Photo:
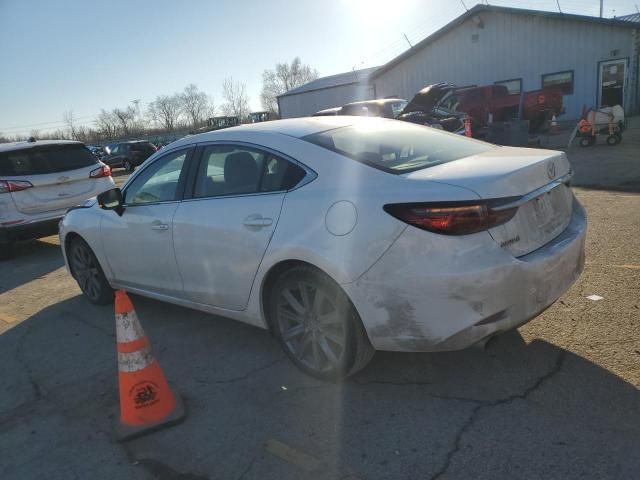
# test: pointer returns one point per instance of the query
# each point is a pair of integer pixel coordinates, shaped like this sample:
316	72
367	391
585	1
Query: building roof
634	17
347	78
490	8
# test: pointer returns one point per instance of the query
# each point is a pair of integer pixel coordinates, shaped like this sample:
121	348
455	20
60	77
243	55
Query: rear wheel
317	325
88	273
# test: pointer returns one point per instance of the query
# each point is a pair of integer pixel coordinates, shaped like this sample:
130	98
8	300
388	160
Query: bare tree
126	118
107	124
166	110
195	104
69	119
283	78
236	100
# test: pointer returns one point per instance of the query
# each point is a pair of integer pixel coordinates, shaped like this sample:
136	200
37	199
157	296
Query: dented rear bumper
446	293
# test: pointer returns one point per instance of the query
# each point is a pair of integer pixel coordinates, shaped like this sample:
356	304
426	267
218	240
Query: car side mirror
112	200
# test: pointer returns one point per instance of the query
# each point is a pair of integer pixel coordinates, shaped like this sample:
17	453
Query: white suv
39	181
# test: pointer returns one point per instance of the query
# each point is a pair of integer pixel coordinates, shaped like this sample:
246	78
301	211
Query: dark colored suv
129	155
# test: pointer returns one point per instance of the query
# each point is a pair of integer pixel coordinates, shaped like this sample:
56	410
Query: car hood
427	98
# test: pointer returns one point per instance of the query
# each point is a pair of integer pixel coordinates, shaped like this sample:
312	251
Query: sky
83	55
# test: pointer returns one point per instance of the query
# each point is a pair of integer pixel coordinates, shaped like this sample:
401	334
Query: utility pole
601	6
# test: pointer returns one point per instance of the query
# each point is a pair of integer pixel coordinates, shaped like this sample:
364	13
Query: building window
514	85
562	80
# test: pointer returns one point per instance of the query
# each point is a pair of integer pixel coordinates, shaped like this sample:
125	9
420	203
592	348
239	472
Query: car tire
88	273
128	166
317	325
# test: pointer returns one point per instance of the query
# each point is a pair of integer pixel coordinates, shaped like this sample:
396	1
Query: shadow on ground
30	260
513	411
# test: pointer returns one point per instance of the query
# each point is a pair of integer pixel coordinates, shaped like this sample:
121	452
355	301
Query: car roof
8	147
380	101
293	127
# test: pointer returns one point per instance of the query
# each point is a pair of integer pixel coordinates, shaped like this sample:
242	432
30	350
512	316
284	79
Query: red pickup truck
443	100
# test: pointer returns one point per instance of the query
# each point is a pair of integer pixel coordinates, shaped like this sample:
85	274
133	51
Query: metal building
326	92
594	60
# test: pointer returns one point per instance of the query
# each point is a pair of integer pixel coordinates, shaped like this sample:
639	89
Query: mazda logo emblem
551	170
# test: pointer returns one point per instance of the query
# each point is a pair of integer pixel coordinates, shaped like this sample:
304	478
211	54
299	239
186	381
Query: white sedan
341	235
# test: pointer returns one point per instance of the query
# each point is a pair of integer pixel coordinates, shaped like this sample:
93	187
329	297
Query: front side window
235	170
562	80
158	182
397	147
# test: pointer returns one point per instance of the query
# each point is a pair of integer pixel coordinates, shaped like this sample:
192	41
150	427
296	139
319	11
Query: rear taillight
541	99
103	171
7	186
451	219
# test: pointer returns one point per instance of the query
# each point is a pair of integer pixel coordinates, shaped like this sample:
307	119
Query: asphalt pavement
558	398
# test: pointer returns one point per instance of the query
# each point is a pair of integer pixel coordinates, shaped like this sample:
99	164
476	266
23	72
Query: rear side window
235	170
45	159
142	147
397	147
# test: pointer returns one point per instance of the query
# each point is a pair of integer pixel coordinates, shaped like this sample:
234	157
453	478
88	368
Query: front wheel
88	273
128	166
317	325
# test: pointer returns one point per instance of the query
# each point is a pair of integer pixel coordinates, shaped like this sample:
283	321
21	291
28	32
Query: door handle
257	221
159	226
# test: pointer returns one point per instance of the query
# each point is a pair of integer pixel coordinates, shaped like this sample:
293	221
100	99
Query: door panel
139	247
139	243
219	244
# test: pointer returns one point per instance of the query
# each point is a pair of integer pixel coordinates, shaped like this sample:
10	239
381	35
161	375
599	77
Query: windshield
45	159
398	147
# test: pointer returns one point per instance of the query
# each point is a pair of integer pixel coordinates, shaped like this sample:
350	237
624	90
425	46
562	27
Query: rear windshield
45	159
145	147
398	147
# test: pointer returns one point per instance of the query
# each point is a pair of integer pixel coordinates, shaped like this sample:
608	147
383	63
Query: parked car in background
39	181
129	155
434	242
386	108
97	150
327	112
447	104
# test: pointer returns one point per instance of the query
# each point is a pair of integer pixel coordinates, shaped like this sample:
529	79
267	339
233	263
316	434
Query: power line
45	123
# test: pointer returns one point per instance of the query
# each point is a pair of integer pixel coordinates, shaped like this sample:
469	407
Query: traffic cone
146	400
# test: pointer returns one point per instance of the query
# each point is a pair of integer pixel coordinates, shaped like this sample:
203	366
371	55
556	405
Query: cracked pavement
556	399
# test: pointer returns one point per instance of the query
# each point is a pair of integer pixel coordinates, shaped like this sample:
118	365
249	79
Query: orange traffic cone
146	400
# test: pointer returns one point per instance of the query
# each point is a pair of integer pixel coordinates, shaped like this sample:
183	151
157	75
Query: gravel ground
556	399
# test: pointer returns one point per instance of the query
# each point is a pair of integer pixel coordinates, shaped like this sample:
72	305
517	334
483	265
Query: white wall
308	103
513	46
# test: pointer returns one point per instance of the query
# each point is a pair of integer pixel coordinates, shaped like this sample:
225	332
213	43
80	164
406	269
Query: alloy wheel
311	326
87	271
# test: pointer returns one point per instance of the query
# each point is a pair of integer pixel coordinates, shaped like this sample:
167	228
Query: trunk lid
59	174
534	180
54	191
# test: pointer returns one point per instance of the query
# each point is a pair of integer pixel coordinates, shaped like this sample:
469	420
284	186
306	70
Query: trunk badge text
62	179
